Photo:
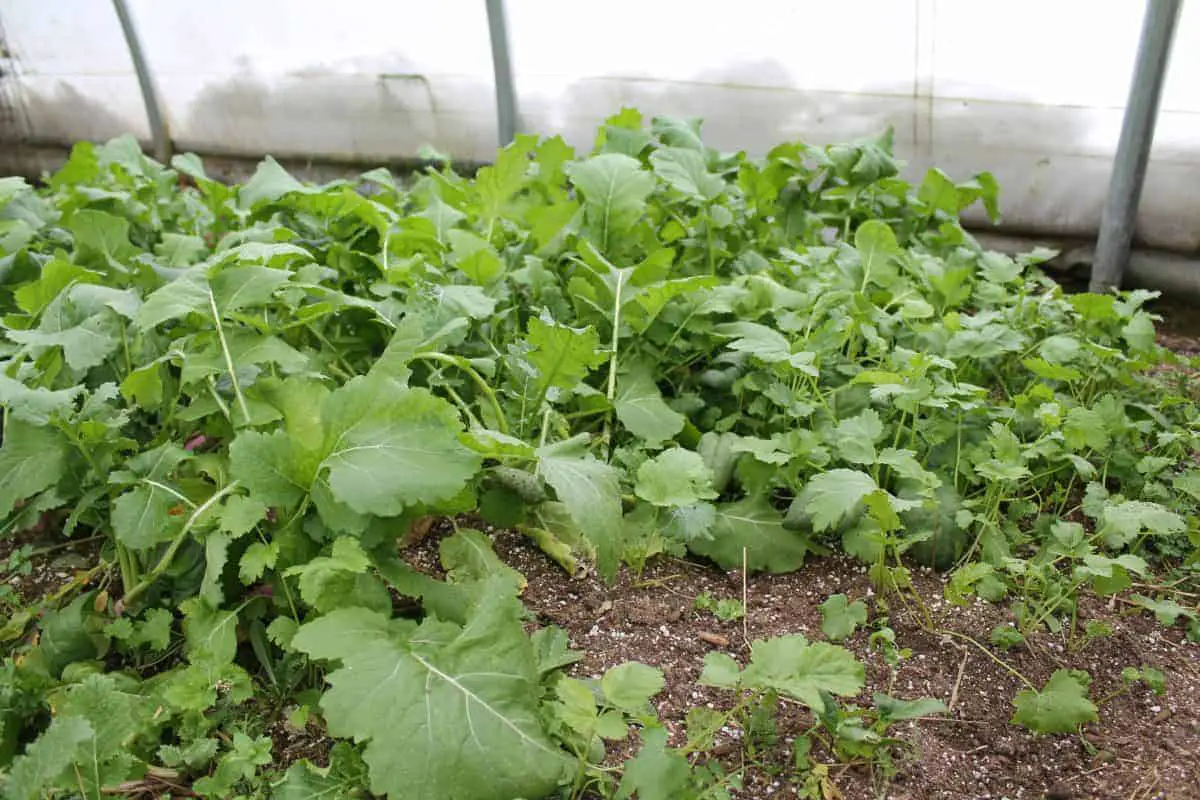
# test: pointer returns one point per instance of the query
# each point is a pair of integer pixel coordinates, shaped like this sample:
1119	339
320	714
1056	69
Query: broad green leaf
210	633
615	188
630	686
834	495
32	459
1124	522
753	525
657	772
270	467
562	355
344	779
1061	706
498	182
182	296
876	244
389	448
675	478
444	711
104	234
590	491
236	288
142	517
686	171
793	666
856	437
641	409
34	773
35	406
269	183
840	617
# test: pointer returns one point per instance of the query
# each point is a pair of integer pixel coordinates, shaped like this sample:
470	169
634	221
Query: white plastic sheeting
1032	90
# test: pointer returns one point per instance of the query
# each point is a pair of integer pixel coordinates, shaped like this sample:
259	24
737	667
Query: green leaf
270	467
894	709
856	437
614	188
390	448
641	409
753	525
257	559
834	495
686	171
562	355
793	666
236	288
630	686
657	772
104	234
33	773
186	294
444	711
1124	522
32	459
840	617
344	779
210	633
142	518
590	490
675	478
876	244
1061	706
269	182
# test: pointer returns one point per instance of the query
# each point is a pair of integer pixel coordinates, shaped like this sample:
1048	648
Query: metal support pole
506	94
1119	221
158	126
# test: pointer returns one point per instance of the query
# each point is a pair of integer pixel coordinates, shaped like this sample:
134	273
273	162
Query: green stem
237	389
480	382
165	562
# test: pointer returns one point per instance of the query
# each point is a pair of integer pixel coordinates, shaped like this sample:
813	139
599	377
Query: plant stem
480	382
1008	668
165	562
237	389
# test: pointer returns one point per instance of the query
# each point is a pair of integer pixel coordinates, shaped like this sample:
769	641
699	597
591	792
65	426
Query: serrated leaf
856	437
1061	706
210	633
675	478
833	495
390	448
657	772
447	712
752	524
614	188
840	617
344	779
630	686
46	758
793	666
562	355
685	170
257	559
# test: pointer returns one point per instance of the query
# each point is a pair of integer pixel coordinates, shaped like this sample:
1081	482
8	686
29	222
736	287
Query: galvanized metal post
506	93
1119	221
158	126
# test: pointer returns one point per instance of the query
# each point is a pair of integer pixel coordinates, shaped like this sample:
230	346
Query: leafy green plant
252	394
726	609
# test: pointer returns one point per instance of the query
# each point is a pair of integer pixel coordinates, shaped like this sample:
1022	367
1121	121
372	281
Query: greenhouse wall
1032	91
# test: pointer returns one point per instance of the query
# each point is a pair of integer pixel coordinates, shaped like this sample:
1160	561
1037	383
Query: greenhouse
671	401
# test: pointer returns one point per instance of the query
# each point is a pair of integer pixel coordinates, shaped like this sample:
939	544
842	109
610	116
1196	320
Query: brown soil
1144	746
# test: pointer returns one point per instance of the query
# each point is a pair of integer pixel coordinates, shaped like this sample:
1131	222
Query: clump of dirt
1143	746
